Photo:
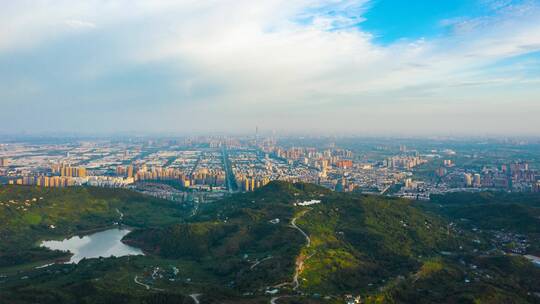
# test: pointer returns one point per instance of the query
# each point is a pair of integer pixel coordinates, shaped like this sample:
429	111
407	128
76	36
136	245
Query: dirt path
259	261
300	260
293	224
121	215
195	297
274	299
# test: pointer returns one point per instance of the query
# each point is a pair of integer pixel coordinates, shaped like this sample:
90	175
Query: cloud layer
300	66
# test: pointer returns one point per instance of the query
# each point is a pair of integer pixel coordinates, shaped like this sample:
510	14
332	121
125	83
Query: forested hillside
264	245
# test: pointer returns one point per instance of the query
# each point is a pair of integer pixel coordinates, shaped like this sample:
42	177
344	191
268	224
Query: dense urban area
262	218
206	168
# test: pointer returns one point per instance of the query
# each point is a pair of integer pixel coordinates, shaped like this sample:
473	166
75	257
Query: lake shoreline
93	243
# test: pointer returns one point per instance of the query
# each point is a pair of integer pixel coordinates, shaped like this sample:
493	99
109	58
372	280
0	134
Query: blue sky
354	66
391	20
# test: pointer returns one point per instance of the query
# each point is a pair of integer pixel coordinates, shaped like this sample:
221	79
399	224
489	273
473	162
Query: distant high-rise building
345	164
467	178
246	185
256	135
323	172
441	172
81	172
477	182
408	183
536	187
68	171
4	162
120	170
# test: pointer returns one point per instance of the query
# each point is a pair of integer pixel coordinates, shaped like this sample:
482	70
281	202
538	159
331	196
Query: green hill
250	247
30	214
356	241
518	212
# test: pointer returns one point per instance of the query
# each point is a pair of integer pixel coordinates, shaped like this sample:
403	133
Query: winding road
135	279
293	225
299	260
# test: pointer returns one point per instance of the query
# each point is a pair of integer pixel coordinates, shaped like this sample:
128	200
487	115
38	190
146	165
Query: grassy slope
494	279
500	279
359	242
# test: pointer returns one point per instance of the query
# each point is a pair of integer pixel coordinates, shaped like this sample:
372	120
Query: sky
352	67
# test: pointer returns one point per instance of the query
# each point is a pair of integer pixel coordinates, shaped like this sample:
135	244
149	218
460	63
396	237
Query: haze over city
463	67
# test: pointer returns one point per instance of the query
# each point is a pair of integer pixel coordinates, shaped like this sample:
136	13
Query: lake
100	244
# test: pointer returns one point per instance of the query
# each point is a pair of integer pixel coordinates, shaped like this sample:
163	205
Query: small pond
100	244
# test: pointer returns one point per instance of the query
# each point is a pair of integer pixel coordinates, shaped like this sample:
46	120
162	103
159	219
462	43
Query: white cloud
275	55
79	24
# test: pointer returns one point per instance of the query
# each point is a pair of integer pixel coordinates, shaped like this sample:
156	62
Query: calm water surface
100	244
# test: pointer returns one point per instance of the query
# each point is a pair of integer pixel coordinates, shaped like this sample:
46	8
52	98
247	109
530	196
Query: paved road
228	173
196	164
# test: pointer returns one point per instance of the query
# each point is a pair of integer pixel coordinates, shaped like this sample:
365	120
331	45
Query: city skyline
355	67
